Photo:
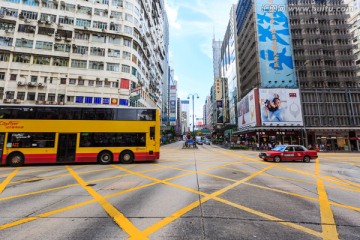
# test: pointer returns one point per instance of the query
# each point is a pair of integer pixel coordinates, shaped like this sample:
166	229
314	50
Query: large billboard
275	45
219	111
246	109
218	89
280	107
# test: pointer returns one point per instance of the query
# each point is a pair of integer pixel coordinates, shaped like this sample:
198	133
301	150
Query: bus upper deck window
152	132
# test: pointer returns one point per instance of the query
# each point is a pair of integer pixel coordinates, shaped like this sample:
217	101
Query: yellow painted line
329	230
117	216
269	217
193	205
8	179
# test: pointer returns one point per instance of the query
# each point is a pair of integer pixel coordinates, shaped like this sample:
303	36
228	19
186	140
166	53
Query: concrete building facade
83	52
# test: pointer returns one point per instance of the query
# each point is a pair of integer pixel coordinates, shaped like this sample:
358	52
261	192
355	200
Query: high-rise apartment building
83	52
326	71
229	69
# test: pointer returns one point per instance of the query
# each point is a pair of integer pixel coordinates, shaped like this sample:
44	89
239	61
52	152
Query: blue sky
193	24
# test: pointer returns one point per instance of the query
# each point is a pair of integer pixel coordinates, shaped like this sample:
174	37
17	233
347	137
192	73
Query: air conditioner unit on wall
7	100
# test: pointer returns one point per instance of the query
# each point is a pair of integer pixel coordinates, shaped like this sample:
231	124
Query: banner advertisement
219	111
218	89
280	107
275	45
247	110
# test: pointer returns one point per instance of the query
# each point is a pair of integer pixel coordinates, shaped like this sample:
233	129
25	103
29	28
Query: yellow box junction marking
117	216
329	231
8	179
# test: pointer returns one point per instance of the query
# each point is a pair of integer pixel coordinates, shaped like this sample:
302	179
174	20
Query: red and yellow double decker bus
34	134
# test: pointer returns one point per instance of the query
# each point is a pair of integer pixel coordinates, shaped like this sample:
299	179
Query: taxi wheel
105	157
126	157
277	159
16	159
306	159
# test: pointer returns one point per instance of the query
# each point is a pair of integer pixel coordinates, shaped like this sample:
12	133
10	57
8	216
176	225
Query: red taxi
289	153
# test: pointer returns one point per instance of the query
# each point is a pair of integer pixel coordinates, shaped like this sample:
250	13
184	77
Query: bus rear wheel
105	157
126	157
15	159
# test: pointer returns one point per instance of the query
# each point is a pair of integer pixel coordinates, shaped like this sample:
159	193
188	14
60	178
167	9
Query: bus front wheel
126	157
105	157
15	159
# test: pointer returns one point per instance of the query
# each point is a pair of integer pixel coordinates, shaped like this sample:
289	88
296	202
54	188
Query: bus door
66	147
152	144
2	140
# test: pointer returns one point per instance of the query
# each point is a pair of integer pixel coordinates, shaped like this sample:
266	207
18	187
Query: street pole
193	100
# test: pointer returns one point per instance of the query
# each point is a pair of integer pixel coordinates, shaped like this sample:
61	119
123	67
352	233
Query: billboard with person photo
280	107
246	110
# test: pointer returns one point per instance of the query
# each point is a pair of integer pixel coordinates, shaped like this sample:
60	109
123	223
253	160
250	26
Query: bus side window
152	133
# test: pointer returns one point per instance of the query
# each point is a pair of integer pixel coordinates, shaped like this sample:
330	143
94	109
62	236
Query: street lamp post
193	122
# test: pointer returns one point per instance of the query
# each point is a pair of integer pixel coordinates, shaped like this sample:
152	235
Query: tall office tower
185	115
229	69
354	21
216	58
83	52
326	72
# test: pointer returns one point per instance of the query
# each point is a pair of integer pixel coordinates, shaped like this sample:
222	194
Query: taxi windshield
279	148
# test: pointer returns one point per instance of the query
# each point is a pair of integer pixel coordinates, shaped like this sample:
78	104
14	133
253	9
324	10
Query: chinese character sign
275	45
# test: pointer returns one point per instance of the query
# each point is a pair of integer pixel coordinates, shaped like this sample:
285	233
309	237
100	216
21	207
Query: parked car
289	153
207	142
199	142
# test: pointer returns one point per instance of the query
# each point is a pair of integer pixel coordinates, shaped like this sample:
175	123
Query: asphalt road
205	193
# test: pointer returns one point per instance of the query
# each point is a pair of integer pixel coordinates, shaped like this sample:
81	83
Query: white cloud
215	15
172	13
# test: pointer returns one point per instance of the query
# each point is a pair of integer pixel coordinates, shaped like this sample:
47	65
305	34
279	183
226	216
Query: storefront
332	140
265	139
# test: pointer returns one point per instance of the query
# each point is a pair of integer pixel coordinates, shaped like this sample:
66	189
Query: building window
21	58
127	42
4	57
125	68
98	38
68	7
133	71
99	25
128	30
49	4
61	62
28	15
91	83
80	82
7	26
51	97
62	80
88	100
31	96
25	43
13	77
82	36
6	41
114	53
10	94
129	17
80	49
66	20
41	60
26	28
118	3
62	47
46	31
112	67
78	63
83	9
83	22
33	79
126	55
41	97
2	75
96	51
48	18
43	45
115	40
116	15
115	27
99	83
96	65
72	81
20	95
